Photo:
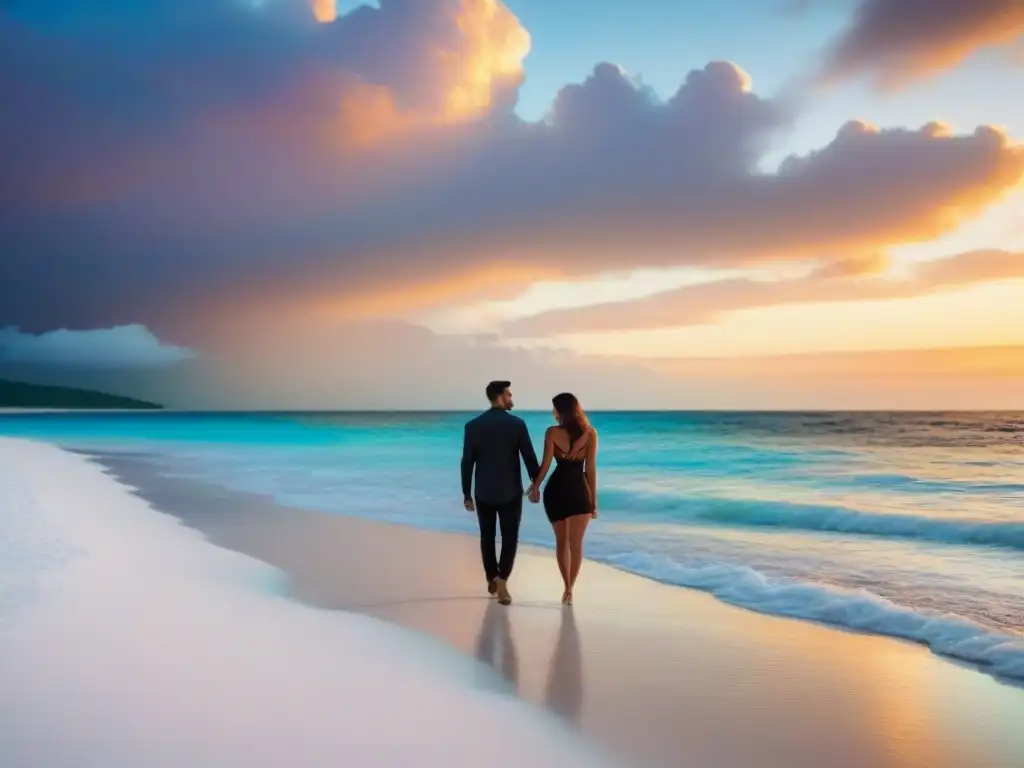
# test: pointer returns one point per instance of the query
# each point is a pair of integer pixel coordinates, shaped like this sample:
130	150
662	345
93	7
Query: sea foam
759	513
954	636
126	639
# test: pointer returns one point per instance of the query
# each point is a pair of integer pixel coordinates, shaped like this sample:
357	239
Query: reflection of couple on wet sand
493	444
563	692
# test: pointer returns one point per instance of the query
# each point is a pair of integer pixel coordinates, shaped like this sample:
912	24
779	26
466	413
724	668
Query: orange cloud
855	266
492	58
404	299
699	304
476	59
369	115
897	41
324	11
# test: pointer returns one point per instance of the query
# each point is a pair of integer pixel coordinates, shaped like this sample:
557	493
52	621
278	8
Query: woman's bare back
566	446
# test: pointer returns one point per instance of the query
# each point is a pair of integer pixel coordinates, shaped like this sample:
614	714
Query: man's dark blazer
493	443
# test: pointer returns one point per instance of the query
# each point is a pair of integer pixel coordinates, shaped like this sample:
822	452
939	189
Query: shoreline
656	674
954	638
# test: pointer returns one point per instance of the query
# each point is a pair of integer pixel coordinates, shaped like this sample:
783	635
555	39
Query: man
493	443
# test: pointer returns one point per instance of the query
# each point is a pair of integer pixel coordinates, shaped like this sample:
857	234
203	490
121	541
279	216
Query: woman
570	497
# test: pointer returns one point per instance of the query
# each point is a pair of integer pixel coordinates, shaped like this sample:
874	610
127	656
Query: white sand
126	640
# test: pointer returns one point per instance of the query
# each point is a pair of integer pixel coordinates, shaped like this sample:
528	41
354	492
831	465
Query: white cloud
125	346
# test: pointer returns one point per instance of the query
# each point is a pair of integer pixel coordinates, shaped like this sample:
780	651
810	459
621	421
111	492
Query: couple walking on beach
493	444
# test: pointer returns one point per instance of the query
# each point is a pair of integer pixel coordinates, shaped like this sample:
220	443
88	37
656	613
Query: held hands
533	494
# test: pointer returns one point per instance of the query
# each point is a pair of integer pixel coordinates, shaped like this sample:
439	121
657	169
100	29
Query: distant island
17	394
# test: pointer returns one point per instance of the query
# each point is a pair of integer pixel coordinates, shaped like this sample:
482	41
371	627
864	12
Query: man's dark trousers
494	443
508	516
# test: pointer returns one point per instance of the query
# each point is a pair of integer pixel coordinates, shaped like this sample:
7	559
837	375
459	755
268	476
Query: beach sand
655	674
128	640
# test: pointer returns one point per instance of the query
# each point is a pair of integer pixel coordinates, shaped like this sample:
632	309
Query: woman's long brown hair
572	415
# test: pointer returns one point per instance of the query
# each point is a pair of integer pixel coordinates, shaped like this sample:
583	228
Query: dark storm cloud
896	41
170	166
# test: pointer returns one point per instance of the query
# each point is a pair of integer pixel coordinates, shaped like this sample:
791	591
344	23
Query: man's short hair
495	389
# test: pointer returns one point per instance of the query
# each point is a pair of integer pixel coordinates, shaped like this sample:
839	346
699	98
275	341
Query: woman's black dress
567	492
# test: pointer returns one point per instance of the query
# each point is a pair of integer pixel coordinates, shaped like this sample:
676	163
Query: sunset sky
796	204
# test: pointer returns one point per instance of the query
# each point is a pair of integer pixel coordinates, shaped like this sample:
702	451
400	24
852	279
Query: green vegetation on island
17	394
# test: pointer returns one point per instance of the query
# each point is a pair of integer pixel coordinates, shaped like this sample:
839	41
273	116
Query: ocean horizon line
450	411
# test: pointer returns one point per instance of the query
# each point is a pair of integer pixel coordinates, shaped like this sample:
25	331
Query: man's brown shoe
503	594
492	588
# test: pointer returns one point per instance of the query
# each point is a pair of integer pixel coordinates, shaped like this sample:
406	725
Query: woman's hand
593	512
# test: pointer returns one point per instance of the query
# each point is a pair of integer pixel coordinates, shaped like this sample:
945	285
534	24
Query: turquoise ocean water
909	525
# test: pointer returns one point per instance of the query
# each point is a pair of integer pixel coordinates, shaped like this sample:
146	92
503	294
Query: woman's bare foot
567	597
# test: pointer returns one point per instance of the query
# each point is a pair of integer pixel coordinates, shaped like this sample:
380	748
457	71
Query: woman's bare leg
577	528
562	553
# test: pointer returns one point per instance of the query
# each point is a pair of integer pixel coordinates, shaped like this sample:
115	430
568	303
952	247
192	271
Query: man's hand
469	505
533	494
